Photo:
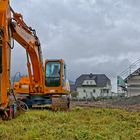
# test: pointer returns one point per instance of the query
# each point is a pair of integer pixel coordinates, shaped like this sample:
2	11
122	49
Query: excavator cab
55	77
56	84
55	73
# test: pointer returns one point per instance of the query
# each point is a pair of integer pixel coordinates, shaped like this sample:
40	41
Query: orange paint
13	26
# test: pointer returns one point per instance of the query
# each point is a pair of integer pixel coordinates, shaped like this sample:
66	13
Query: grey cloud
91	35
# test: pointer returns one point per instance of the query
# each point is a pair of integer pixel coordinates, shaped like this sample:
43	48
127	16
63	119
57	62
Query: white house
93	85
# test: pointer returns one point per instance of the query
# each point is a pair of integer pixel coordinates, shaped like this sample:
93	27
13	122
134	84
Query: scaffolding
123	77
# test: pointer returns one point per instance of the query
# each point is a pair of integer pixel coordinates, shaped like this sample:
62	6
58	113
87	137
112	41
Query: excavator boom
5	52
28	39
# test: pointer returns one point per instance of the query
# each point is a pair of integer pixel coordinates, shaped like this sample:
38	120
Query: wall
92	91
133	85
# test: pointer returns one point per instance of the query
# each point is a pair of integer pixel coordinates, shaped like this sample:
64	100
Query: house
133	83
91	86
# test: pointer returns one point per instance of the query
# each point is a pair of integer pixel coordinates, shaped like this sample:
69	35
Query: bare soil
129	104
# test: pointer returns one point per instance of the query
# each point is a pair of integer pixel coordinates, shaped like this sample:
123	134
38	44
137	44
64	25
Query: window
104	91
94	90
64	74
87	82
53	69
52	74
84	90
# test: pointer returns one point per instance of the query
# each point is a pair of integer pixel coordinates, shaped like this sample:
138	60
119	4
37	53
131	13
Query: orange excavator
44	86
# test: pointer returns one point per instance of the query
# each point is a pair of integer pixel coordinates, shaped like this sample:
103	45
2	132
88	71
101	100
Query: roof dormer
89	83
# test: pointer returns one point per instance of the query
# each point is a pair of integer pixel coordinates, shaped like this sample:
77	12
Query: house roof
101	79
136	72
72	87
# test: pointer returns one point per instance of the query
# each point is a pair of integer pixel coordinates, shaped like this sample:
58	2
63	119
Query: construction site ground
129	104
83	121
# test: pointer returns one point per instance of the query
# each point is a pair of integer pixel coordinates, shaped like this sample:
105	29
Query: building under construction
128	82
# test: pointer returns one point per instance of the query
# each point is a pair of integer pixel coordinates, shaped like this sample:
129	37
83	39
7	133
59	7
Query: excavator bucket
59	103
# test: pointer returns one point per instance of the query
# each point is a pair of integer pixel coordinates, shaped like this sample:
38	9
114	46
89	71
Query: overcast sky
93	36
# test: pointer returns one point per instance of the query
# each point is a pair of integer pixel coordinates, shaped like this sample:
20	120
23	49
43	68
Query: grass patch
78	124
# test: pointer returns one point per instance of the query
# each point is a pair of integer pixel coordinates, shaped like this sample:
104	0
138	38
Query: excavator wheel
22	106
4	116
60	103
8	113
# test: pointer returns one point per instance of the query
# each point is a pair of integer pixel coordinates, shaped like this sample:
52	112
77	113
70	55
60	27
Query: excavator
45	86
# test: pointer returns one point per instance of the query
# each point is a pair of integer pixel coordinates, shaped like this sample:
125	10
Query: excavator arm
12	26
26	36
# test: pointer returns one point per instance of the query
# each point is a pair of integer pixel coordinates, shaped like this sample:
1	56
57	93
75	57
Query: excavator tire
4	116
7	114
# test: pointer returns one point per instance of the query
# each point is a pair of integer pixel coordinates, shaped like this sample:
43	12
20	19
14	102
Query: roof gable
101	80
135	73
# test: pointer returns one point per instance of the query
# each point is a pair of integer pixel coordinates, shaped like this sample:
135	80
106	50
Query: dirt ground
129	104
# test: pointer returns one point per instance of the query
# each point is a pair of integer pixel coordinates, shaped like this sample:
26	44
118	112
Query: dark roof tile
100	79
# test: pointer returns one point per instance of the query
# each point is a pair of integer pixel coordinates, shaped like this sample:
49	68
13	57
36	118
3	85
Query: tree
74	94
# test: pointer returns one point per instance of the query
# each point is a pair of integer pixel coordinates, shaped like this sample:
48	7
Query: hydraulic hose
23	106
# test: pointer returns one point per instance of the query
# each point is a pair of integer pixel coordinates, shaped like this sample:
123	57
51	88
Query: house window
104	91
91	82
84	90
87	82
94	90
